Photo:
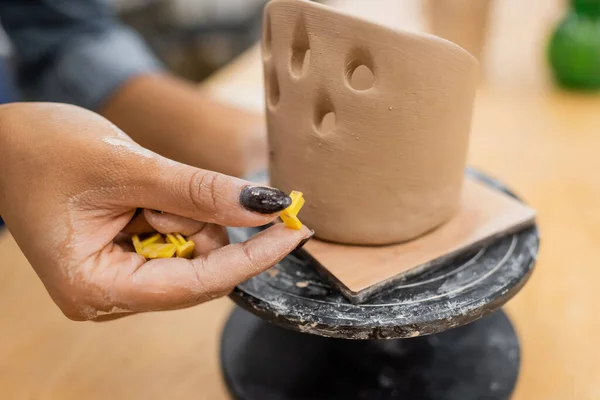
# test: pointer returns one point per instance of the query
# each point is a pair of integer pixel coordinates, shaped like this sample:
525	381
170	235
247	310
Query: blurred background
536	127
196	37
192	37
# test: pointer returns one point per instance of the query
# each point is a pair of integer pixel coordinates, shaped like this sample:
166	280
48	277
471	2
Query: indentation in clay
300	55
328	122
324	116
359	70
273	88
300	62
267	36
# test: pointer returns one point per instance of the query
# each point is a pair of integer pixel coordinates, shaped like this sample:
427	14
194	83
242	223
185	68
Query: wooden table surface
541	142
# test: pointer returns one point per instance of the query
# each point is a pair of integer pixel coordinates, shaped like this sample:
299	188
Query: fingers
169	223
206	237
205	195
148	221
210	238
138	224
174	283
120	283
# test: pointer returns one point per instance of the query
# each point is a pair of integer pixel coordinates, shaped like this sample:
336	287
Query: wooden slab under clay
360	272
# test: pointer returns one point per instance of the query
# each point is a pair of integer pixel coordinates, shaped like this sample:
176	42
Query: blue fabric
6	95
72	51
6	87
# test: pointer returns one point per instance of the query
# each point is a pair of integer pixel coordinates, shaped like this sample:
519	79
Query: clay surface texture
371	124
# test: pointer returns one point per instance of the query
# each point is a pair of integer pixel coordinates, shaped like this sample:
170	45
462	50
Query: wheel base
262	361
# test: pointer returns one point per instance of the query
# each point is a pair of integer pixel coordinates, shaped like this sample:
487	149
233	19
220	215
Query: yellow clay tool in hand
137	244
185	248
156	246
159	250
289	215
154	239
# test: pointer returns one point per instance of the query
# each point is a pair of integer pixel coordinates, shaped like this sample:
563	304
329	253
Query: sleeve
73	51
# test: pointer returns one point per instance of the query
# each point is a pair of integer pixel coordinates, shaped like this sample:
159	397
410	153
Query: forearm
172	117
21	147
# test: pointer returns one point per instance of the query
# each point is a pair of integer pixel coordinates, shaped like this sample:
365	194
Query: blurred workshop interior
192	38
533	129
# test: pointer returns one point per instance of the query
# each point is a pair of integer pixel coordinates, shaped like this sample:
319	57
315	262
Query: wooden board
361	272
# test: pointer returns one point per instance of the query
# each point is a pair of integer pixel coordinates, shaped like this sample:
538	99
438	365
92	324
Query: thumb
205	195
174	283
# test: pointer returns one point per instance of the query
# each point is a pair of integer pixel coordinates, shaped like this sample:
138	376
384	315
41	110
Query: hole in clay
300	57
327	123
362	78
273	90
300	61
267	37
324	116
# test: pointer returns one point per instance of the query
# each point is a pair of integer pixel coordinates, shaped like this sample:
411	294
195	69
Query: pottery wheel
262	361
294	296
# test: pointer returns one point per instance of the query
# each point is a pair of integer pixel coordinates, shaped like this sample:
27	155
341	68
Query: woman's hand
70	183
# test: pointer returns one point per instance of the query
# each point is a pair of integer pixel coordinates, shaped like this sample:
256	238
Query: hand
173	118
70	183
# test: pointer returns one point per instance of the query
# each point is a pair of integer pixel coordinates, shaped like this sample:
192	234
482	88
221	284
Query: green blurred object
574	48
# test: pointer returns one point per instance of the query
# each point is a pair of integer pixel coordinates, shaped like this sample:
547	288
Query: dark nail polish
264	200
304	241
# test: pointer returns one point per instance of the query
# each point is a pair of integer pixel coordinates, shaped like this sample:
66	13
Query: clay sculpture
371	124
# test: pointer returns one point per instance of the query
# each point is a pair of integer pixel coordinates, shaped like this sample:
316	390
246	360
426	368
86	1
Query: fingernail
264	200
304	241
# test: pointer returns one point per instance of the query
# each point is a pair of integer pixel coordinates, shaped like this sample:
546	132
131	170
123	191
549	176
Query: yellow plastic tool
137	243
156	238
155	246
185	248
159	250
289	215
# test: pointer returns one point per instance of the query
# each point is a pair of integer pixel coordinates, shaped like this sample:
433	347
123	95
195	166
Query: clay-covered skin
70	184
371	124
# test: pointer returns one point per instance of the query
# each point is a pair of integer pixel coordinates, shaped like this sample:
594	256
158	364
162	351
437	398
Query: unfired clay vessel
371	124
